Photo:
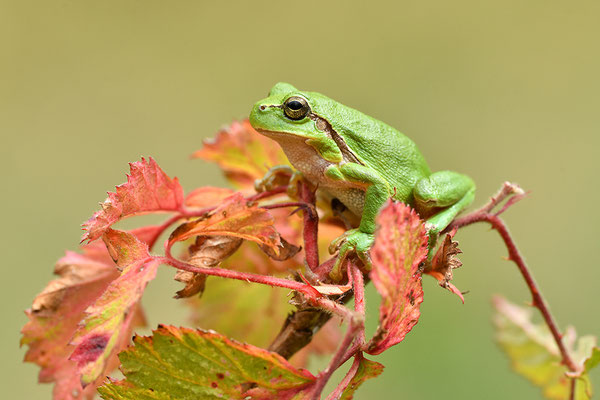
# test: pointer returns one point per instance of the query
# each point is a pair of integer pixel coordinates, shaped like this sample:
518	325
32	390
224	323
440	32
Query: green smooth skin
362	162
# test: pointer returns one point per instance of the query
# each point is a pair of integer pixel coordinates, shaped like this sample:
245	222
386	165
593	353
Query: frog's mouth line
279	134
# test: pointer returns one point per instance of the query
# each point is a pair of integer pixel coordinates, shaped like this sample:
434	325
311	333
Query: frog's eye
296	107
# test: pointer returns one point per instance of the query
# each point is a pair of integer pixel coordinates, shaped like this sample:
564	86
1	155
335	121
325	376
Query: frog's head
288	112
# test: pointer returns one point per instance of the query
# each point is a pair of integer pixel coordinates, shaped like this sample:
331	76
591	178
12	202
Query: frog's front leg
440	197
360	240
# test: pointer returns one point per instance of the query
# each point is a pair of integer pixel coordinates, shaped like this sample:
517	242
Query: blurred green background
500	90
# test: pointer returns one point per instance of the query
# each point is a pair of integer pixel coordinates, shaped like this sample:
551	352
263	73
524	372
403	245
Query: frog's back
377	145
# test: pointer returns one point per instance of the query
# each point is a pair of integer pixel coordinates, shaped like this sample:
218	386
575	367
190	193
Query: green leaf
181	363
367	369
535	355
593	360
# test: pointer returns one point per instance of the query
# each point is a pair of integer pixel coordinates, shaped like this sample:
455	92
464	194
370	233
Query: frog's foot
351	241
279	175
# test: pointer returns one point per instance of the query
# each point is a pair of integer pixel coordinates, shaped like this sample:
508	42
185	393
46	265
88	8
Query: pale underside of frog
360	161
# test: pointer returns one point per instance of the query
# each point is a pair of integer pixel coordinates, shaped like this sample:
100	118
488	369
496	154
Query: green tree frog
360	161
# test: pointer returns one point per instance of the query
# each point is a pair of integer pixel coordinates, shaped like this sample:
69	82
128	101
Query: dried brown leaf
444	262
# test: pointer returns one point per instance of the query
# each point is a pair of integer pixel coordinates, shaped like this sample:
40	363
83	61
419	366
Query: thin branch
355	333
572	389
310	231
538	300
313	297
335	362
359	299
299	204
347	379
484	214
242	276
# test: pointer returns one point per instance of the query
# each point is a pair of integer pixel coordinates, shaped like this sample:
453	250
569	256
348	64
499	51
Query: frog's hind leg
440	197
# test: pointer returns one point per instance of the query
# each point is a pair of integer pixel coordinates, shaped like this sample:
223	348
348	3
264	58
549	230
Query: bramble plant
80	326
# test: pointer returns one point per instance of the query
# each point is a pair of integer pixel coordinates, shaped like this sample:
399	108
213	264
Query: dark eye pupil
294	105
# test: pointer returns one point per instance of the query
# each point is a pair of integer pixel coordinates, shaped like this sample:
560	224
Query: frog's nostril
263	108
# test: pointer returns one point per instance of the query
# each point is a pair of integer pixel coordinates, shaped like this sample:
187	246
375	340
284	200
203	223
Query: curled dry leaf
148	189
206	252
284	252
444	262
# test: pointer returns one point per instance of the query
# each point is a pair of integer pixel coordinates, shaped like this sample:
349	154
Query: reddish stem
305	206
242	276
538	300
347	379
311	227
358	282
335	362
484	215
356	331
572	389
268	193
313	296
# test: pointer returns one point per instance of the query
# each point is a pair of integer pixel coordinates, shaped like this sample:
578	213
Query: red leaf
242	153
400	246
109	318
148	189
207	196
236	218
57	311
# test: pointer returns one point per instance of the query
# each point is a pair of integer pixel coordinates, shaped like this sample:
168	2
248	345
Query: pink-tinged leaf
57	311
236	218
400	246
242	153
367	369
148	189
109	318
207	196
181	363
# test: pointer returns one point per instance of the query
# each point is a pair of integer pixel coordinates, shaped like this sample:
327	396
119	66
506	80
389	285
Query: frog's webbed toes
279	175
351	241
